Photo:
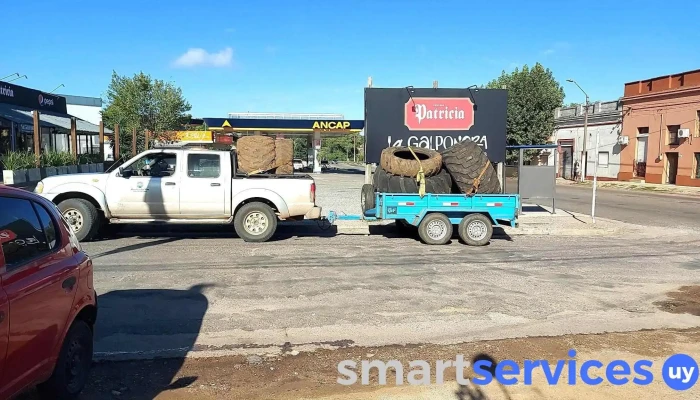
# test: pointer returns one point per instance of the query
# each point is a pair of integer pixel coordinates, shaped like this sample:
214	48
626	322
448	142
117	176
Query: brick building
660	122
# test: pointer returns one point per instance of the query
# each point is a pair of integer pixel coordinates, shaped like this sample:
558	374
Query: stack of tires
263	153
462	168
398	170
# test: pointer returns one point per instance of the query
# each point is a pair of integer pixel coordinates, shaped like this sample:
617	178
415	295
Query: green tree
533	94
339	148
146	104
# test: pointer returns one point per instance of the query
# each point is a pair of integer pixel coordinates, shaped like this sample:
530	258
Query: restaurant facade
17	123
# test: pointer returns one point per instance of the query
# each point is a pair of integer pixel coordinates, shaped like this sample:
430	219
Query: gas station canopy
285	126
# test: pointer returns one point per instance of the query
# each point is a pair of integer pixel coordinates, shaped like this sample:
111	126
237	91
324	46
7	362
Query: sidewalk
639	186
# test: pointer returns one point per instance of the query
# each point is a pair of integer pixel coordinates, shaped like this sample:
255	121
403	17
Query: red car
48	305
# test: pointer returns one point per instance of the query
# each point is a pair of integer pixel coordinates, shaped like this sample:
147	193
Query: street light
584	165
597	143
57	87
3	78
19	77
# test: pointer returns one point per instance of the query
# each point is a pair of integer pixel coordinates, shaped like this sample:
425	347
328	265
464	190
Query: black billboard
31	98
435	118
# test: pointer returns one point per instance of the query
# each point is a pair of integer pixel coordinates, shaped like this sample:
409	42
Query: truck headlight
39	187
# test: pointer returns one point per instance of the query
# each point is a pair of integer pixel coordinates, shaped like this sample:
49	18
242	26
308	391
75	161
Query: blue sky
315	56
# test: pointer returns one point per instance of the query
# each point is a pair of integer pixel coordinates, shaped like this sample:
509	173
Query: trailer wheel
255	222
367	197
476	229
435	228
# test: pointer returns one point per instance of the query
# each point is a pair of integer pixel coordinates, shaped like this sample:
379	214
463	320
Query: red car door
4	320
40	281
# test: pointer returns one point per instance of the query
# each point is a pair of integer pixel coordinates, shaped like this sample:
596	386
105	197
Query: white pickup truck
182	186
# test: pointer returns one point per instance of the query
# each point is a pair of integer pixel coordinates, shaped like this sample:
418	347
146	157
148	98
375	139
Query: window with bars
673	134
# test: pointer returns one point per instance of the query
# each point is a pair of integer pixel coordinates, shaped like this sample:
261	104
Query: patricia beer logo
439	114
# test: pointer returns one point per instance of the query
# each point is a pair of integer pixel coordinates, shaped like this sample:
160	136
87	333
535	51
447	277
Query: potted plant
69	162
65	159
50	161
73	166
84	163
16	165
33	172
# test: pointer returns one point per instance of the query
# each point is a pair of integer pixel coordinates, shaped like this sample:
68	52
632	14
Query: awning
24	116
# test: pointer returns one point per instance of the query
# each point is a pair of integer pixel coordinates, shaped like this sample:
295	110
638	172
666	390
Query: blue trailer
435	214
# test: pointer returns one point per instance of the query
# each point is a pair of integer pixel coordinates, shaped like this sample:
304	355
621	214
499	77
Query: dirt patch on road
684	301
314	375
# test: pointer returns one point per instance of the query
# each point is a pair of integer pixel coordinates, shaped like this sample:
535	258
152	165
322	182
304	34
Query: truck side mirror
124	173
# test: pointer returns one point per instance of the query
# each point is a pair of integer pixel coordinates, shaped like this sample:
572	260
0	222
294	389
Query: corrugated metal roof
82	100
24	116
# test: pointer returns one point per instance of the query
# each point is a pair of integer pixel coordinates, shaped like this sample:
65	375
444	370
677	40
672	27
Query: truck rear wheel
476	229
435	228
82	217
255	222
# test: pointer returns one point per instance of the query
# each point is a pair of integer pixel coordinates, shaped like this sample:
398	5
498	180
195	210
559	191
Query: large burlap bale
284	156
255	153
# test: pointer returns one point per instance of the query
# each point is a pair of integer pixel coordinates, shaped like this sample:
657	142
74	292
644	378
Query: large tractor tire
465	161
255	153
400	161
284	156
385	182
367	197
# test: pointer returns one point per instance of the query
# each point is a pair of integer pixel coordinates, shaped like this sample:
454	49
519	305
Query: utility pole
584	158
354	147
597	144
595	172
585	140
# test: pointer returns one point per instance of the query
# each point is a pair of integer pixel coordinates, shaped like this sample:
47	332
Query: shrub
16	160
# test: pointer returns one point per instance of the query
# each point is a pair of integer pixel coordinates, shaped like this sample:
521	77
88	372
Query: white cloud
197	57
556	47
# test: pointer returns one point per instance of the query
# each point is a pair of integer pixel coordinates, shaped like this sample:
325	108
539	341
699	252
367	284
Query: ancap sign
31	98
331	125
439	114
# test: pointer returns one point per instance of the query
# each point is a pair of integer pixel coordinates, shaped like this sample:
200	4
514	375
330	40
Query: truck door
147	189
205	187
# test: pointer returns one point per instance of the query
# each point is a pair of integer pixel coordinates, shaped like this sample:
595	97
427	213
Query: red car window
23	237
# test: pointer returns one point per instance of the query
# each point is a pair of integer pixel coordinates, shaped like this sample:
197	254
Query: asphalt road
167	294
655	209
635	207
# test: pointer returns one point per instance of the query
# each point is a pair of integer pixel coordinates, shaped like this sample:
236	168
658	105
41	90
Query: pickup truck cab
182	186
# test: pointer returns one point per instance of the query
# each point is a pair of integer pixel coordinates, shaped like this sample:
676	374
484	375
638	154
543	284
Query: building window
643	130
673	134
697	124
603	158
697	165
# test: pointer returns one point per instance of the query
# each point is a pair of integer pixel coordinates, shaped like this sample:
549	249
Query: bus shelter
536	181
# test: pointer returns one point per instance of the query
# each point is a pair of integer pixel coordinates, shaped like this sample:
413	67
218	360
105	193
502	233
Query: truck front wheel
82	217
255	222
